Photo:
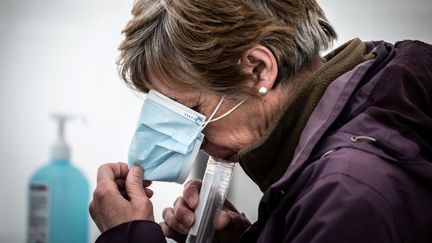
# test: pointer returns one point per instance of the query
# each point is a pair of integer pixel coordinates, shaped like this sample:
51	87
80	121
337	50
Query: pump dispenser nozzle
61	150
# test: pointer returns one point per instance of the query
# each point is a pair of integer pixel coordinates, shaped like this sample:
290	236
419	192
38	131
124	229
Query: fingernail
138	172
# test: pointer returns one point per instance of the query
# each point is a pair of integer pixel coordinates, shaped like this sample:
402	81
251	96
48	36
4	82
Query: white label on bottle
38	214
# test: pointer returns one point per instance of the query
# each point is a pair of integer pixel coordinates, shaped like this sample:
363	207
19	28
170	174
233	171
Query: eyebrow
188	100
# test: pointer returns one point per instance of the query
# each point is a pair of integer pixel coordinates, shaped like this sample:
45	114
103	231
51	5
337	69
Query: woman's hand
120	196
180	218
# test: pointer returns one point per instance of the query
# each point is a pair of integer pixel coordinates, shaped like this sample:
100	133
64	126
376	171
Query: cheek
214	131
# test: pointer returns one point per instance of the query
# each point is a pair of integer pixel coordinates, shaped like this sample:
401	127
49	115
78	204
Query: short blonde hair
198	43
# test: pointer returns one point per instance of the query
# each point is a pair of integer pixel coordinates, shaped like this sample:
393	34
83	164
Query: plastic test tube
216	182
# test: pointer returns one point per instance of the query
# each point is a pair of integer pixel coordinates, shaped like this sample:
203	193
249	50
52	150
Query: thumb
134	183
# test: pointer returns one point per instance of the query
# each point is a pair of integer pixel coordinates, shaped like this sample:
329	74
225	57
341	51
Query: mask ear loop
213	114
222	116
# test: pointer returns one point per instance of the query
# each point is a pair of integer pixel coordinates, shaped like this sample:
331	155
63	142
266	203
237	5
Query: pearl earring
263	90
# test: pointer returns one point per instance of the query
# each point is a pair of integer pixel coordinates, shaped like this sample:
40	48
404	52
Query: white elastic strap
222	116
213	114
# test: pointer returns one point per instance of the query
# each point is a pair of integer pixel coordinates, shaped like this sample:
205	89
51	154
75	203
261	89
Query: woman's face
244	126
225	137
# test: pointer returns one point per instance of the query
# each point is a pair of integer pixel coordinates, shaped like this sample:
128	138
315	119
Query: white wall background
59	55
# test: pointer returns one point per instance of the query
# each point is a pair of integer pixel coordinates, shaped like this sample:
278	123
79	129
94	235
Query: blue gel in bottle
58	198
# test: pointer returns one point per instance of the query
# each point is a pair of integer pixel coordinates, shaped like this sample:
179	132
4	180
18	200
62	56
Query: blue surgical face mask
167	138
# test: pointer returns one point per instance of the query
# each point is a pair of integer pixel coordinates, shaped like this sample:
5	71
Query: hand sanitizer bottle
58	197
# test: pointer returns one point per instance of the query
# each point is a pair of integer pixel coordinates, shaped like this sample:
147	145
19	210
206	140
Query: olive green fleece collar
267	160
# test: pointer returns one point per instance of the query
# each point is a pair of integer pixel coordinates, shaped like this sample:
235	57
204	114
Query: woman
340	146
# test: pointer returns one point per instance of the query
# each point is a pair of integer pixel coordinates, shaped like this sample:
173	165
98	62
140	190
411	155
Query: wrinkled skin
180	218
120	196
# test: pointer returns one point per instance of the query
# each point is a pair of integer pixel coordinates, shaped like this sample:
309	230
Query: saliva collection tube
214	188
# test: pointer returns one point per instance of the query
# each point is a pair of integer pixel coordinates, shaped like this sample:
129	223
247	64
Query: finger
183	213
231	221
223	221
124	194
122	188
194	183
105	194
106	180
191	193
94	215
149	193
120	183
112	171
170	219
134	187
170	233
92	210
105	189
146	183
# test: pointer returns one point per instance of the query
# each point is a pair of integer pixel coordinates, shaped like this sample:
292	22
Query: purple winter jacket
362	171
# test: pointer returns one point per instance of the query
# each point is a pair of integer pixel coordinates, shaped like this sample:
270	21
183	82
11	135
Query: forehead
166	74
179	93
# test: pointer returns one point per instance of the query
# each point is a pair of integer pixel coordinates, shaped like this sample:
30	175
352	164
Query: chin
231	157
220	152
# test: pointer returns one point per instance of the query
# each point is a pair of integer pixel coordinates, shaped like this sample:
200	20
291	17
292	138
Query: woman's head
199	43
196	51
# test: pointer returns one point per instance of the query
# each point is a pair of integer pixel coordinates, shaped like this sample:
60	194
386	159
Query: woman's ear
260	63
